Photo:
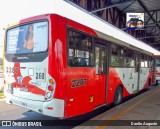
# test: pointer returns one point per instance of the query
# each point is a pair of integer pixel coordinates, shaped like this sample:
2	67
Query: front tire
118	96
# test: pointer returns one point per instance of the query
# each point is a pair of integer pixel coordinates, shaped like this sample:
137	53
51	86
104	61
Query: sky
12	11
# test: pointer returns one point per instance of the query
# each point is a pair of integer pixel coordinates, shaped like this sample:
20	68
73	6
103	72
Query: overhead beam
147	37
147	11
150	24
150	18
158	33
152	10
152	29
111	6
154	43
128	6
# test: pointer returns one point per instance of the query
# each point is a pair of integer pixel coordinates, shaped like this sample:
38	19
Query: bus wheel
118	96
157	83
149	82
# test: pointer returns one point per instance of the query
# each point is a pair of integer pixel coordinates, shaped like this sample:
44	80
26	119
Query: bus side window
136	61
127	62
83	62
114	55
128	59
97	61
70	62
142	61
120	57
80	50
75	62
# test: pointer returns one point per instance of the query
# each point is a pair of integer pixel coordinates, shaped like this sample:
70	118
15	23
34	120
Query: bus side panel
82	91
82	83
57	54
144	78
145	86
151	77
114	81
148	81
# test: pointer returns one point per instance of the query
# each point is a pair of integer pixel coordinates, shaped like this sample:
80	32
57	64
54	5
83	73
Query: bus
156	69
69	62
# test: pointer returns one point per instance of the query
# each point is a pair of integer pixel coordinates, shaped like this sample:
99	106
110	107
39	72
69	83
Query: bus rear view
26	63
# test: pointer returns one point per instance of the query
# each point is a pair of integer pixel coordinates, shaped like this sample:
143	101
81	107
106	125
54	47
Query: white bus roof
105	30
69	11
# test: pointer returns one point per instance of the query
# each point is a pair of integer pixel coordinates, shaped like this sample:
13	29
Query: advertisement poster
28	38
135	21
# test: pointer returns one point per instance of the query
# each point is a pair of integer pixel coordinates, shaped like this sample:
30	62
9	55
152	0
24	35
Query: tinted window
80	50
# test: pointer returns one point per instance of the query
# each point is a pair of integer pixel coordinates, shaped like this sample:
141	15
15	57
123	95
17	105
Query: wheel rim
118	96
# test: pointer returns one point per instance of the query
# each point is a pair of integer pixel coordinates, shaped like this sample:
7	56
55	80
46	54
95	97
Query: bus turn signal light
51	81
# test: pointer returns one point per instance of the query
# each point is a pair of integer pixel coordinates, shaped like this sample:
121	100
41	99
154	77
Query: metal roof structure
103	29
116	35
150	8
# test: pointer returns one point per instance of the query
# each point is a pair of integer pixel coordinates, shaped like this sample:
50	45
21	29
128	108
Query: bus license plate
24	104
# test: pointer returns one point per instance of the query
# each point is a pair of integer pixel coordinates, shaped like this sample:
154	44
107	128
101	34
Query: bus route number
79	82
11	70
40	74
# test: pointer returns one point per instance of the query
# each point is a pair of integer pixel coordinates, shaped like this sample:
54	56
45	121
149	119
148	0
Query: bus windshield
28	38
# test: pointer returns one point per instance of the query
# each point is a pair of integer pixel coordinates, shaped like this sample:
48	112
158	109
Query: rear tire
118	96
149	82
157	83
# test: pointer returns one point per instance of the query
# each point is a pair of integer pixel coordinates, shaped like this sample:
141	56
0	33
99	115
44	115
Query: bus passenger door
101	71
137	72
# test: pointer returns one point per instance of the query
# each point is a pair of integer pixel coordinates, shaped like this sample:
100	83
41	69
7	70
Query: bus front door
101	71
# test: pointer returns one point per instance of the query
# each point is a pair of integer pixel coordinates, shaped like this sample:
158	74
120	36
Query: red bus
63	66
156	69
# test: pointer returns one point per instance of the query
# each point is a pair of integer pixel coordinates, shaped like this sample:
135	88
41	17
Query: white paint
9	78
129	77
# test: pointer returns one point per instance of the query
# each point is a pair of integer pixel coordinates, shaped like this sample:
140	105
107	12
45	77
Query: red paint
50	88
81	27
50	108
